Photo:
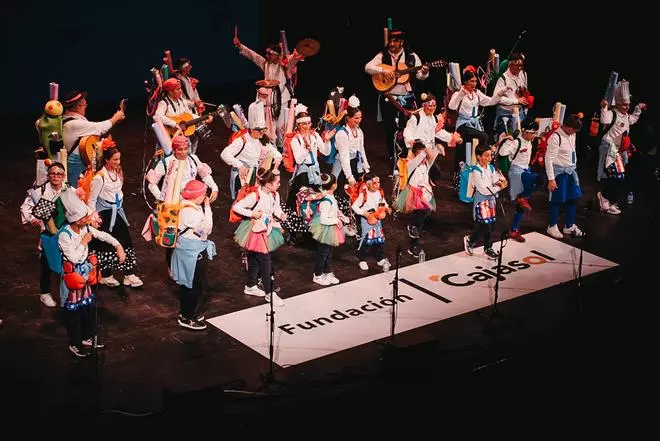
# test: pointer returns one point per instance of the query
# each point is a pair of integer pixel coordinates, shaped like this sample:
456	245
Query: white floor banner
339	317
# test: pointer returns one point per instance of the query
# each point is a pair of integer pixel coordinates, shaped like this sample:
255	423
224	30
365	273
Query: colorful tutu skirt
414	198
332	235
258	242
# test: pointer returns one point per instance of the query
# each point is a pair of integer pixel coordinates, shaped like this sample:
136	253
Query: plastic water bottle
422	256
631	198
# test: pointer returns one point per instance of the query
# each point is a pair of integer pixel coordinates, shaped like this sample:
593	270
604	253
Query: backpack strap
75	144
518	149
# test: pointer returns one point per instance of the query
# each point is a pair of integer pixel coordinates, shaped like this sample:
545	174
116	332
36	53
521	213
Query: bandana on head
193	190
179	141
171	84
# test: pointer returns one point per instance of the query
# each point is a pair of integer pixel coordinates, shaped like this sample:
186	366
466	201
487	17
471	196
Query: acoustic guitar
401	74
189	122
90	145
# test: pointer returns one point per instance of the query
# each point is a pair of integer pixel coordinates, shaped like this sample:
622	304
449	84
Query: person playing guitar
176	113
395	54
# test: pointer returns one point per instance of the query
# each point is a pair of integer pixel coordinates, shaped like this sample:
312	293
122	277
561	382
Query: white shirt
511	83
486	180
300	151
348	143
198	220
420	166
374	199
372	68
72	248
268	203
560	151
329	210
247	151
273	71
424	130
622	123
78	127
524	154
170	107
105	185
468	104
193	168
48	193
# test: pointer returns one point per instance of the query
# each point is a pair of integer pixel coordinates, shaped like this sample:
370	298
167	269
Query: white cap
256	116
74	208
622	92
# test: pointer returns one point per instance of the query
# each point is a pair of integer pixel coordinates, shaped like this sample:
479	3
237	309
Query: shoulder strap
242	147
67	119
518	149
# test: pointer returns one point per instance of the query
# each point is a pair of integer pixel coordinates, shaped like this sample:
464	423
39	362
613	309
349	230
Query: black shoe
191	324
491	253
413	232
414	251
200	318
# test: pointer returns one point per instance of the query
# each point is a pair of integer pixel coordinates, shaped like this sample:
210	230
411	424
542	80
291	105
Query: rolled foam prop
330	106
239	112
556	110
176	188
54	91
562	113
291	116
385	36
236	120
455	75
611	85
162	136
285	45
496	63
63	158
389	23
516	113
168	60
166	72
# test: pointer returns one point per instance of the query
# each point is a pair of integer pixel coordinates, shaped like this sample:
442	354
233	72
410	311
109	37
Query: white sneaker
277	300
554	232
574	231
47	300
253	291
613	209
604	203
385	264
363	266
133	281
350	231
110	281
330	277
321	280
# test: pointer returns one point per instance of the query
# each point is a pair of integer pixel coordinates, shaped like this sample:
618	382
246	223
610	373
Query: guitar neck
201	118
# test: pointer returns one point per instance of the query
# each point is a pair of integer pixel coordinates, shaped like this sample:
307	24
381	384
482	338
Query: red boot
515	235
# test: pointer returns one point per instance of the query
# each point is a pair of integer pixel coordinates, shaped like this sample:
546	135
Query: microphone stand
269	378
494	312
395	292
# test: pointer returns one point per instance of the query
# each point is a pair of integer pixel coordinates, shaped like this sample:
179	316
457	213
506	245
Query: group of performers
332	191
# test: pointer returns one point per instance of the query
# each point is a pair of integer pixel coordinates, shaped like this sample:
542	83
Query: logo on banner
485	274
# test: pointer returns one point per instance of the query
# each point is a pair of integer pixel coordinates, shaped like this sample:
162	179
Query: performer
393	54
417	197
106	197
276	67
166	170
172	106
487	182
259	234
189	84
306	144
326	229
522	180
563	182
429	128
79	273
43	210
514	82
193	249
372	208
75	126
247	152
467	101
615	147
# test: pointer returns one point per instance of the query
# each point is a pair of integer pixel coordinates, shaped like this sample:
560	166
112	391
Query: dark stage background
107	47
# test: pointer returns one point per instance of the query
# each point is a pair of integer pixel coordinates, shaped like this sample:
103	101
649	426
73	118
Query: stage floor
566	329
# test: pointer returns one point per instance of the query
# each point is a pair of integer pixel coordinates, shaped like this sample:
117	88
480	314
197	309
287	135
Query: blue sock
571	209
515	224
554	213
